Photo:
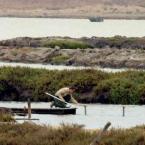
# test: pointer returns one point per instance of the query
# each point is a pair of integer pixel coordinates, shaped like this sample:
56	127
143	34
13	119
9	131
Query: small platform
58	111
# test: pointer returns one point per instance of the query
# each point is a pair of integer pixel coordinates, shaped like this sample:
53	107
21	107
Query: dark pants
60	104
67	98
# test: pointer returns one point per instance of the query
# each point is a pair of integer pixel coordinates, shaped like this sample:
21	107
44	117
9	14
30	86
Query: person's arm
73	100
60	97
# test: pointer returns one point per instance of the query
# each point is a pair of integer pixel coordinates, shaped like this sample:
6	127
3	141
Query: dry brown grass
30	134
5	117
60	4
73	8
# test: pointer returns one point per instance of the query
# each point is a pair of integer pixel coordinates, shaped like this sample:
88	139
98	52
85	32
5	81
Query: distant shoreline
108	9
139	17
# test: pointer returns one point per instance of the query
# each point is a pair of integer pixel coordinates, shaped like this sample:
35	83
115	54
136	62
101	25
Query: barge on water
57	111
61	108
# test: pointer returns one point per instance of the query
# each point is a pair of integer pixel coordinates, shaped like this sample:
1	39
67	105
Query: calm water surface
97	115
57	67
42	27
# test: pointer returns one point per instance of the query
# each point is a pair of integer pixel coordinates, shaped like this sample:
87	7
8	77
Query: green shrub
25	82
65	44
93	86
59	59
123	91
119	91
141	92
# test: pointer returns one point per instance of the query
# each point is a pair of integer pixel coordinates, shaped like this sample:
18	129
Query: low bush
18	84
119	91
60	59
118	42
65	44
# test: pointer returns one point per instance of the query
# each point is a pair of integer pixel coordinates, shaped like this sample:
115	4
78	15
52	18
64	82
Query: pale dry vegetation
73	8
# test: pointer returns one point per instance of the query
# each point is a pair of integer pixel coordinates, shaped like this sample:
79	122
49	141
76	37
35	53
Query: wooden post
96	141
85	109
123	111
29	108
25	111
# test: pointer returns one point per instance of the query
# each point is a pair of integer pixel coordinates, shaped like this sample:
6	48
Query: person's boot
52	104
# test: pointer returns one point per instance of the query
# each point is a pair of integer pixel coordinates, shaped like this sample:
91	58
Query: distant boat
96	19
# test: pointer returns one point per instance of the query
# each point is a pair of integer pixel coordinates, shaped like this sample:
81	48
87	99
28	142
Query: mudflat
114	52
131	9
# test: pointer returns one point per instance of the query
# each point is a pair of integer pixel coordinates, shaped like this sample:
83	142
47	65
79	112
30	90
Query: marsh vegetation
93	86
31	134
